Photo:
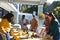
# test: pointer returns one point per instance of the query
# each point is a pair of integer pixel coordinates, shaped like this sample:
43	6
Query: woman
52	27
5	26
47	22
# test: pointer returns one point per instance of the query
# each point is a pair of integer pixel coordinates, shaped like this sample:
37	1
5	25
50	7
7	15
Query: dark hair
23	16
8	16
51	15
53	18
33	15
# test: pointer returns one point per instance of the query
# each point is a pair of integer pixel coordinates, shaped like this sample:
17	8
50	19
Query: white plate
23	36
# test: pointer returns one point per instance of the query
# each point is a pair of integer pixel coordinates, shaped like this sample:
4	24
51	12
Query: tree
57	12
31	9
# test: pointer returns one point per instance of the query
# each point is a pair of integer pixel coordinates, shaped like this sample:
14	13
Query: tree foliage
31	9
57	12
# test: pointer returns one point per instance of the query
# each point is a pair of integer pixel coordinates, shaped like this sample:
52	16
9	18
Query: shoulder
4	22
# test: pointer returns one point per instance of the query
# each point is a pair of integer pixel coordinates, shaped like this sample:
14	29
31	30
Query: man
34	24
24	22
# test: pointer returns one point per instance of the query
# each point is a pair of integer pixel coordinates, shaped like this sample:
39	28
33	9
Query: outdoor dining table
29	37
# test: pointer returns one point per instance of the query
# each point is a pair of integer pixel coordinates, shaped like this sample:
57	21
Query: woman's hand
7	29
3	29
49	37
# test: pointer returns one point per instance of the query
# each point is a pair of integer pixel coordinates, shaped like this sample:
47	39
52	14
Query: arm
3	29
5	25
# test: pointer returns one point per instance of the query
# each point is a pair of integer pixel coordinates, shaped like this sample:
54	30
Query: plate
23	36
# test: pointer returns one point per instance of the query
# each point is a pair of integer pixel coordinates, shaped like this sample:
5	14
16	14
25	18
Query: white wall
15	17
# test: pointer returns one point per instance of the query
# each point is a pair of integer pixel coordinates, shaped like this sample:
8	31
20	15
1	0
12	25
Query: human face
47	20
12	18
23	16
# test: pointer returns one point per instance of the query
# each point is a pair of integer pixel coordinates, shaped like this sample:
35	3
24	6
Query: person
34	24
47	21
24	22
5	26
52	29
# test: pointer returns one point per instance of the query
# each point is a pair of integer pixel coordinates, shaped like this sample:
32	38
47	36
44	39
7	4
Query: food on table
34	35
23	34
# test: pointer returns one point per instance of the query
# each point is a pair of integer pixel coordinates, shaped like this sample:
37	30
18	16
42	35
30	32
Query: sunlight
50	1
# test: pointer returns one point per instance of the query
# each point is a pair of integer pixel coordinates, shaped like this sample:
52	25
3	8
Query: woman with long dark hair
53	29
5	26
